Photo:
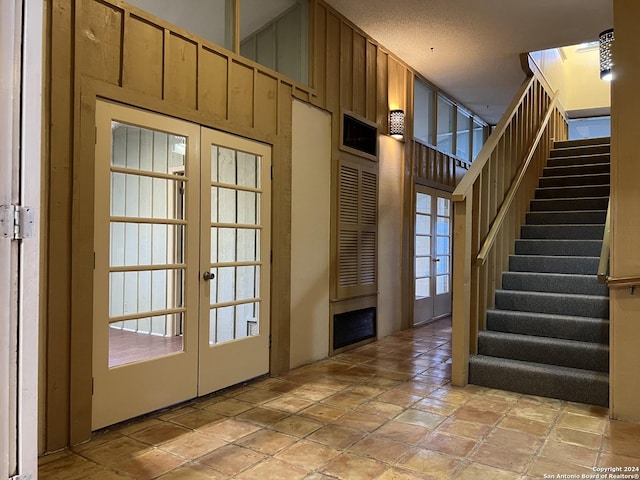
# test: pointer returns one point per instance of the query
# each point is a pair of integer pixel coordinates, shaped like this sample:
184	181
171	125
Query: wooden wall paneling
82	268
213	83
382	89
266	104
281	236
143	56
424	163
319	58
301	94
333	63
359	82
181	71
100	40
408	215
372	82
396	84
58	250
346	66
241	94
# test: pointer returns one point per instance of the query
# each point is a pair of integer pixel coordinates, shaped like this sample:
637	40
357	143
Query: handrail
624	282
603	265
466	184
511	193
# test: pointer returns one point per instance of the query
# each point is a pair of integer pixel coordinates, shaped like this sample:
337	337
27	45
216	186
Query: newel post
462	228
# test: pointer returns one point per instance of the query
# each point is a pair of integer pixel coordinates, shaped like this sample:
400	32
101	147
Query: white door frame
21	73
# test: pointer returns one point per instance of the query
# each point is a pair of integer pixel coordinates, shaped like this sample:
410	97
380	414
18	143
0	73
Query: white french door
180	288
235	260
432	253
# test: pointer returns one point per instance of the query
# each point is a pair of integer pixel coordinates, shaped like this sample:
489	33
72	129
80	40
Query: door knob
208	276
436	260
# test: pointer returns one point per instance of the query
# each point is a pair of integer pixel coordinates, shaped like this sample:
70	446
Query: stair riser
595	169
582	355
565	232
579	160
573	192
566	218
575	180
583	248
549	264
561	283
591	389
569	204
568	328
578	305
575	151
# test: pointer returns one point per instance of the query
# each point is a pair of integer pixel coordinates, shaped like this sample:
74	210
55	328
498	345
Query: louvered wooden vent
357	232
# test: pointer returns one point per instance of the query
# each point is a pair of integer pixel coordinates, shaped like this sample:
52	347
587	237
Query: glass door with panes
432	253
181	231
234	329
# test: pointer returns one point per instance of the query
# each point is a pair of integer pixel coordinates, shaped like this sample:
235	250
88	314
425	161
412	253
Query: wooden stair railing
490	204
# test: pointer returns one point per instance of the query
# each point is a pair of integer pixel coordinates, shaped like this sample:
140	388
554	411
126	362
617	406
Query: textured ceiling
471	48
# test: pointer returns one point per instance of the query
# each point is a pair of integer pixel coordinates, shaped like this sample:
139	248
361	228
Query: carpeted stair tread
572	204
568	327
554	283
566	218
579	150
579	160
575	180
583	142
575	170
596	158
595	306
560	247
564	383
567	232
554	264
550	351
573	192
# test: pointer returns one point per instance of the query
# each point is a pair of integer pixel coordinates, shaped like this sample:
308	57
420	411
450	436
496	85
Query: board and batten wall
109	49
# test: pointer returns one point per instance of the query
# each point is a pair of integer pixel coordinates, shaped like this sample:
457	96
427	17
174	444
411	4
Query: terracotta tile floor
385	410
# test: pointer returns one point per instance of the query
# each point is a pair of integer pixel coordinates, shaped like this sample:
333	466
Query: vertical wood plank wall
107	48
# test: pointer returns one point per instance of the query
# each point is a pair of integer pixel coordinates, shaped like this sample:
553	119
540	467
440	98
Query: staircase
548	334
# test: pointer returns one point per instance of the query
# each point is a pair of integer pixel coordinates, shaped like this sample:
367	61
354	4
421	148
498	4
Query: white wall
585	89
575	71
390	209
310	229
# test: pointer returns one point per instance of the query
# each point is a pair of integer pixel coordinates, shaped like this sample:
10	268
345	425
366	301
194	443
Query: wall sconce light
606	62
396	124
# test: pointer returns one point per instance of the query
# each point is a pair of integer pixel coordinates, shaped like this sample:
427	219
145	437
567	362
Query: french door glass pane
423	287
423	203
235	207
423	224
444	205
442	284
423	245
442	226
146	296
442	266
442	246
423	267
